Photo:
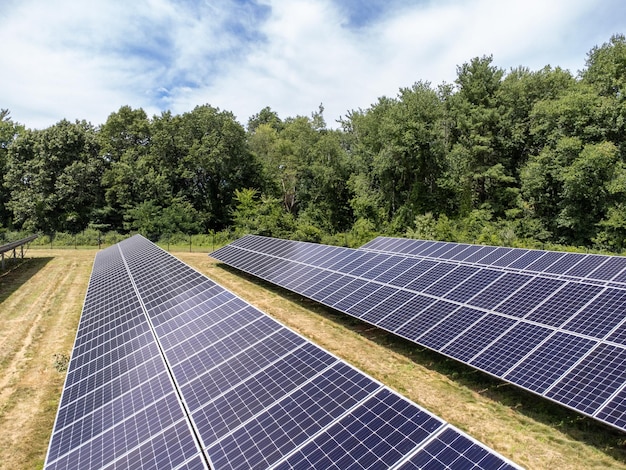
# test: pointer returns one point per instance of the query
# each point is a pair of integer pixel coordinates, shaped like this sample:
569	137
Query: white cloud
68	59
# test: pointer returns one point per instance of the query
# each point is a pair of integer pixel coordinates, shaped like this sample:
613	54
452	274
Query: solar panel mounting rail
544	321
170	370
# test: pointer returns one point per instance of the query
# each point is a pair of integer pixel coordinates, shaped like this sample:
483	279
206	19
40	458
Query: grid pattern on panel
118	405
256	392
449	451
590	267
530	317
170	370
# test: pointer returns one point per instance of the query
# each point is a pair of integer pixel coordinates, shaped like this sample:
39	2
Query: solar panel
170	370
591	267
544	332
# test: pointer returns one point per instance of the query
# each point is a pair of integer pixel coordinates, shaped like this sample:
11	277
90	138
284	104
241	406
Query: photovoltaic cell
506	259
118	401
414	272
390	304
550	361
546	260
406	312
510	348
455	251
565	263
448	450
394	271
563	304
418	323
494	294
615	411
445	284
172	371
609	269
529	296
449	328
473	253
378	417
530	317
478	338
592	382
526	259
589	266
472	286
371	301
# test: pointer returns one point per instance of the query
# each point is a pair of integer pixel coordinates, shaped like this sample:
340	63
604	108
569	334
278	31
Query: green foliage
61	361
53	176
517	158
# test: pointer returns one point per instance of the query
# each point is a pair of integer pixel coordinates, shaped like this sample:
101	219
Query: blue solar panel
560	307
478	338
172	371
426	280
449	450
614	411
441	287
419	322
545	261
510	348
412	273
494	314
406	313
592	267
394	271
119	402
592	381
530	257
450	327
565	263
550	361
380	417
529	296
495	292
371	301
394	301
470	287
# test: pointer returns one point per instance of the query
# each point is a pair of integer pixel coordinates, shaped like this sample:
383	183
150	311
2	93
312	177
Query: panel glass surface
162	350
550	361
592	382
510	312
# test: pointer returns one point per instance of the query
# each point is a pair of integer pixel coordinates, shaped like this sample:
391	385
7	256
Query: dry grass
40	305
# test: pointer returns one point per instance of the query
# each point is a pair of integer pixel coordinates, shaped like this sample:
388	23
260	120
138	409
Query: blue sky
84	59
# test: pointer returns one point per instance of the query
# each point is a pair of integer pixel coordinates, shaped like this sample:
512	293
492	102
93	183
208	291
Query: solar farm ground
40	305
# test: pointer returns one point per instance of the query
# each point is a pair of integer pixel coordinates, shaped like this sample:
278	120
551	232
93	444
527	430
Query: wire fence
95	239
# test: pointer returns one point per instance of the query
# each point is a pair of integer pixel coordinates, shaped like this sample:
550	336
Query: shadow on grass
606	439
17	273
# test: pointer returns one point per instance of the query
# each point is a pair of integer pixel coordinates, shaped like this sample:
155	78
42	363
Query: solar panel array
170	370
556	327
590	268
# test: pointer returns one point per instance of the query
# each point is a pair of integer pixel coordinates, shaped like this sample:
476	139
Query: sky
77	59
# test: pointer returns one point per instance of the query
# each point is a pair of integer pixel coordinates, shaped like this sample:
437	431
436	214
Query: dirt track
40	304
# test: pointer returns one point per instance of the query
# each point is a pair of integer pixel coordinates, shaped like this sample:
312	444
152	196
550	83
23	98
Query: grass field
40	304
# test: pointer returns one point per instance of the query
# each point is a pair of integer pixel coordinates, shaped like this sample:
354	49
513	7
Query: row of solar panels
609	270
170	370
563	338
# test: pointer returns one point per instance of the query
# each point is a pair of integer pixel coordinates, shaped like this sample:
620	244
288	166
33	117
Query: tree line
502	157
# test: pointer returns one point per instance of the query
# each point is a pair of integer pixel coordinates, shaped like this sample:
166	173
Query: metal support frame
13	246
